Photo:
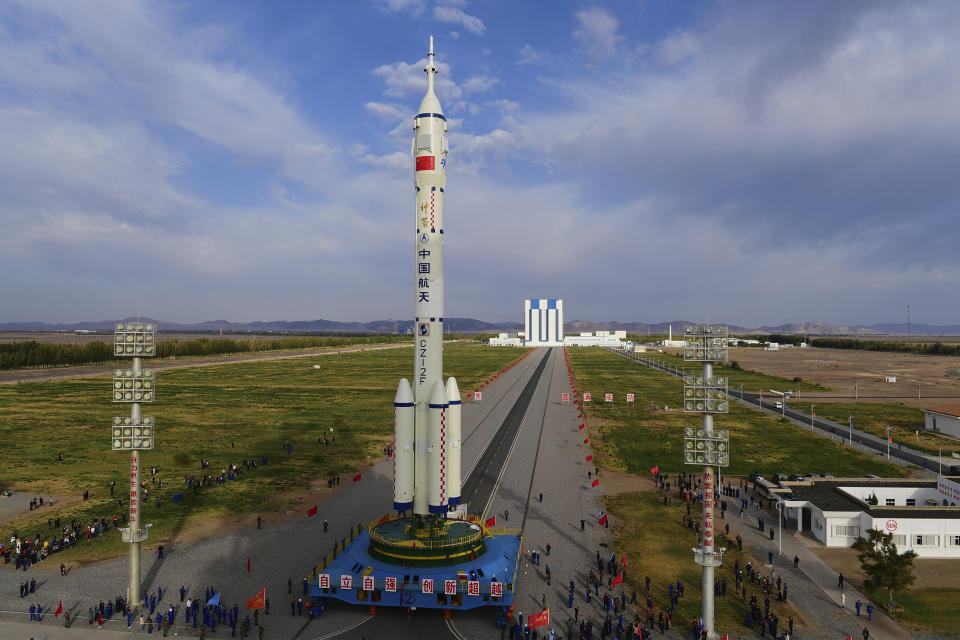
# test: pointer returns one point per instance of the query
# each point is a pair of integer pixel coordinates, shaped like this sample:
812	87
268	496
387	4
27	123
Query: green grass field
224	413
928	610
752	381
874	417
658	545
636	438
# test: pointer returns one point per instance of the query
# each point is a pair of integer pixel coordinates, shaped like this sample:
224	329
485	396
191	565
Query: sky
753	163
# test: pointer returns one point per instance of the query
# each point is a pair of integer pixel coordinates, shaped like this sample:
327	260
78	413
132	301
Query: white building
600	339
921	514
944	419
506	340
670	342
543	322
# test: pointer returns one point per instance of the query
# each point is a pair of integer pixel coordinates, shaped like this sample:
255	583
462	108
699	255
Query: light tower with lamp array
705	446
134	433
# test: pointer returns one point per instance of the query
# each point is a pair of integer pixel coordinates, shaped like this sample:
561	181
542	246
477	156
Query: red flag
59	609
603	518
541	619
589	458
356	478
248	564
655	469
256	602
581	426
623	562
312	511
596	483
726	637
491	522
586	441
617	580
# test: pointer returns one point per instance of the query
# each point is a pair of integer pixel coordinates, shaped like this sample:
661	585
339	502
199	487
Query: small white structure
772	346
890	378
506	340
945	419
543	322
670	342
922	515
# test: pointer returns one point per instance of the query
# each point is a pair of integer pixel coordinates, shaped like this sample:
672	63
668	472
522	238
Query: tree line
930	348
32	354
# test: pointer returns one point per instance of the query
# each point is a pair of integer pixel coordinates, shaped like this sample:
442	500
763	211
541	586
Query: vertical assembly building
543	322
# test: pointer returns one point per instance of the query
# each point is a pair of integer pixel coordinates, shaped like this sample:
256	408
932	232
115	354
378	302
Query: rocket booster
432	479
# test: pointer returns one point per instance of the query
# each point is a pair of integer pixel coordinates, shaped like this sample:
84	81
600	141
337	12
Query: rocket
426	471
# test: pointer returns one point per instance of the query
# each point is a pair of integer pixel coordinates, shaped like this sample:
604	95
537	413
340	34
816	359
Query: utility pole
813	415
850	420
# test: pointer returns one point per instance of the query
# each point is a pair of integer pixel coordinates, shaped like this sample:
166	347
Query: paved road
480	485
16	376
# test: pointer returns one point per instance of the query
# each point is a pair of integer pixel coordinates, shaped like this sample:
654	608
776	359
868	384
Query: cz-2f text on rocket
427	416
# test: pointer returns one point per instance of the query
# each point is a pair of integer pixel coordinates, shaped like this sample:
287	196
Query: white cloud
388	111
413	7
404	79
598	32
677	47
473	24
528	54
479	84
138	61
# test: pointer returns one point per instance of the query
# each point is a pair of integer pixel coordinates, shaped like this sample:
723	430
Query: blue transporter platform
395	563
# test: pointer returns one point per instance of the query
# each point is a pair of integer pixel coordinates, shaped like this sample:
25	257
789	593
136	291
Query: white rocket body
430	460
403	451
453	442
437	451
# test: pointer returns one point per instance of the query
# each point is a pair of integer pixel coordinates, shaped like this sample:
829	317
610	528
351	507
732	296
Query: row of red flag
312	511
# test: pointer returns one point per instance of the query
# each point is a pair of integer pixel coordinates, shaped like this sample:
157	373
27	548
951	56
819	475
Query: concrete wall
949	425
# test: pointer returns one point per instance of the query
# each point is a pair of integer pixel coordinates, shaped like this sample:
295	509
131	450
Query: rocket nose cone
437	394
404	393
453	391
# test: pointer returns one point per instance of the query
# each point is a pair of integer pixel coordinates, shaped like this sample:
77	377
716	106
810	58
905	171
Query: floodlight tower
705	446
135	432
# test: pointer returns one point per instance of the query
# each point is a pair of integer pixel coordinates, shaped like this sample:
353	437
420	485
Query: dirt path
862	373
16	376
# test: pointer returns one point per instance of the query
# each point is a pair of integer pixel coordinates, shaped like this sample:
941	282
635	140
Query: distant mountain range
470	325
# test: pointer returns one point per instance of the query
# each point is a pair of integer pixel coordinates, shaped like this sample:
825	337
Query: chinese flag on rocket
426	163
541	619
